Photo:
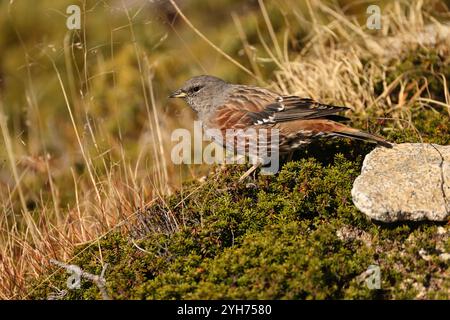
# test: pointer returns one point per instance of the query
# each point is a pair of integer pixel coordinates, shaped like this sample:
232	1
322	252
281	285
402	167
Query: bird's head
201	92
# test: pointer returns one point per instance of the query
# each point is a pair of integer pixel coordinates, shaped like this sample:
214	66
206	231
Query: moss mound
295	235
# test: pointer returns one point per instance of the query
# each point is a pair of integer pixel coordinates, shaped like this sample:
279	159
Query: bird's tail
352	133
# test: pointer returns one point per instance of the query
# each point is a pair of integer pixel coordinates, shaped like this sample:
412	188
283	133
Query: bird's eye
196	89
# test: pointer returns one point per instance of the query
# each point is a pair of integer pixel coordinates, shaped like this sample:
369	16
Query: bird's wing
289	108
241	108
264	107
298	119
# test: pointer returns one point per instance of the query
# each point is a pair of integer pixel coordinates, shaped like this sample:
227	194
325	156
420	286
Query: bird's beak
178	94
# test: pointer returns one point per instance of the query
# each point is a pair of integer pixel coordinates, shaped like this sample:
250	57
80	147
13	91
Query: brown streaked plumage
221	105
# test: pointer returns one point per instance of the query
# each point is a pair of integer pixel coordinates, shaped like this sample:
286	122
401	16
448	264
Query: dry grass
106	193
331	67
106	186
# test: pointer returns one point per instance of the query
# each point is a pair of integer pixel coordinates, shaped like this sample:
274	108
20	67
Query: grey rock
410	182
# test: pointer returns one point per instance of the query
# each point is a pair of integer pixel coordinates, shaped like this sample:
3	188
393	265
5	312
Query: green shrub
295	235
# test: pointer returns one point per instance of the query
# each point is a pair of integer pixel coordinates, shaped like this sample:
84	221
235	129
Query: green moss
295	235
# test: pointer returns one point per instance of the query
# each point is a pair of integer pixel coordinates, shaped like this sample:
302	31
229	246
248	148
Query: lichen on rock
408	182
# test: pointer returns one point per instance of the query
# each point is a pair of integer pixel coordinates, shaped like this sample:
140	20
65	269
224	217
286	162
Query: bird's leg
249	171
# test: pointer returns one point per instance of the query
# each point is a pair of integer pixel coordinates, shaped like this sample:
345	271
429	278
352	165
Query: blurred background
84	114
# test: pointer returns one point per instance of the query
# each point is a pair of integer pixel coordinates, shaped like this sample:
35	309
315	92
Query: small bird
222	105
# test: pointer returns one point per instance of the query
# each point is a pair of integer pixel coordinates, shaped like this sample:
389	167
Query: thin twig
99	281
